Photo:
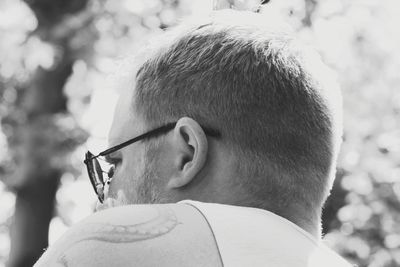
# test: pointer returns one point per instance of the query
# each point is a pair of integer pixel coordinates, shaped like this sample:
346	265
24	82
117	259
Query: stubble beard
147	191
145	188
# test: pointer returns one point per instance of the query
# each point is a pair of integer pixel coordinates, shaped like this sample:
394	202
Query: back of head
270	96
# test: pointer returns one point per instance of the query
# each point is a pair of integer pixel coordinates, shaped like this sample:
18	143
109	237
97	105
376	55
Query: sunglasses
94	162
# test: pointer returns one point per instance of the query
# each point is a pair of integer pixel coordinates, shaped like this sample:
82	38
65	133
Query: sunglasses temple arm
162	129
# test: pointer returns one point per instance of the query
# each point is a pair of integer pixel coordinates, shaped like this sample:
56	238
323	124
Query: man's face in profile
133	181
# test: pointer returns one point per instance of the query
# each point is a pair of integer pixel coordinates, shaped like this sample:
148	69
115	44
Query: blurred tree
34	136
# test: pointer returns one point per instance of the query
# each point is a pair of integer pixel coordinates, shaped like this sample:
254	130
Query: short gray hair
271	97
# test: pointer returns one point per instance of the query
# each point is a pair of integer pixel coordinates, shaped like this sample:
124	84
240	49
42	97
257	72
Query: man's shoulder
248	236
140	235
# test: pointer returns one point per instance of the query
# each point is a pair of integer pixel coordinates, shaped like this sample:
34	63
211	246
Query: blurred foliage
359	39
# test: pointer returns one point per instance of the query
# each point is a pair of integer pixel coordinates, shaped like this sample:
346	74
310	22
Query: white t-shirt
255	237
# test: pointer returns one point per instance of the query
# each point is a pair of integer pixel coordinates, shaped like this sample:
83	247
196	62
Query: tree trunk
36	180
33	212
36	137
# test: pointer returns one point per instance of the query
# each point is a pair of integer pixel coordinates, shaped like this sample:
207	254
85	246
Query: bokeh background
59	64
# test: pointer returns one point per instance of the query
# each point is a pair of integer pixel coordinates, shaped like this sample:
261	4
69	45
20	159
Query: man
234	111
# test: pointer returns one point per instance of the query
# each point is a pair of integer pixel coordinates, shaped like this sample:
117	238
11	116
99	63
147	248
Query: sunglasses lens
98	180
99	172
95	175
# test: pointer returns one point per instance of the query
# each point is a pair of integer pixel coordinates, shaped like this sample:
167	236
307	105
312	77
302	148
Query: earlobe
191	152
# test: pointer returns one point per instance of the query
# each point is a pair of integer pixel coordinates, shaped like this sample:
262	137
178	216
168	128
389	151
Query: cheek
126	177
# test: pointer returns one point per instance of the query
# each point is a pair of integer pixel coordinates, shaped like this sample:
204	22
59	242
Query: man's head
270	97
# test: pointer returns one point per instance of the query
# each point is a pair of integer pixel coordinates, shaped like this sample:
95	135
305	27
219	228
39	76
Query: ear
190	154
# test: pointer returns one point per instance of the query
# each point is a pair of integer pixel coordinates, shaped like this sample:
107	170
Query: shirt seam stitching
212	231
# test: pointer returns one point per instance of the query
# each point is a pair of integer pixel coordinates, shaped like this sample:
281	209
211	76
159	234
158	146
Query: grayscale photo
196	133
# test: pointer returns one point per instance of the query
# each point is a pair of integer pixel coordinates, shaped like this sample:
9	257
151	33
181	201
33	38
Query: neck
301	216
311	223
303	219
313	229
